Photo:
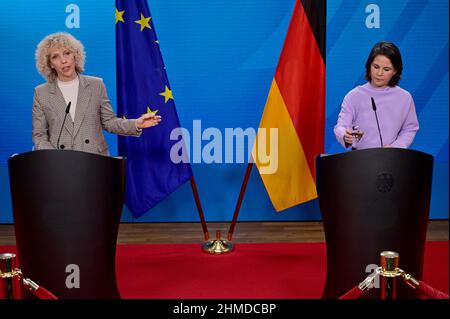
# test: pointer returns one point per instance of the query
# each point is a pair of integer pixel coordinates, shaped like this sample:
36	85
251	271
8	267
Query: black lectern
373	200
66	208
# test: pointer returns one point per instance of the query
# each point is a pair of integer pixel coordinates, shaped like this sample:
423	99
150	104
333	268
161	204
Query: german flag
295	107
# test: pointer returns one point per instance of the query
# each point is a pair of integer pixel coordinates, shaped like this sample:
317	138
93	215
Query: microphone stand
374	107
65	116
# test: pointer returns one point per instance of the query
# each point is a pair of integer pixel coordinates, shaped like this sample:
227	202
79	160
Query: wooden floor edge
245	232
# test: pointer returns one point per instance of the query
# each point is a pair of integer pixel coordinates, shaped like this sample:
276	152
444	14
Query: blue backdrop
220	58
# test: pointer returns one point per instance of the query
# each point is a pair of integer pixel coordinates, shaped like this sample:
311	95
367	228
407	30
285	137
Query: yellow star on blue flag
167	94
119	16
143	22
149	111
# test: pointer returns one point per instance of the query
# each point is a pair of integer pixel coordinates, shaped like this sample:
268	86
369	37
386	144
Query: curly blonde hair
59	39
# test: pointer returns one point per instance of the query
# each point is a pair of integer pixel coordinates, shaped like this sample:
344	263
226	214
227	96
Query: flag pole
239	202
199	208
221	246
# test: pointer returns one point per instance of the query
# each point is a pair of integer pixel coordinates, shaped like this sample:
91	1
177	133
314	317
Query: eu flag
142	86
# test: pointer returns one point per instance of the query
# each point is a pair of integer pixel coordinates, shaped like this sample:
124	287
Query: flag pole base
218	246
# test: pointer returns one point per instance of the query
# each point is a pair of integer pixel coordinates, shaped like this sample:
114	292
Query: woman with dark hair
378	102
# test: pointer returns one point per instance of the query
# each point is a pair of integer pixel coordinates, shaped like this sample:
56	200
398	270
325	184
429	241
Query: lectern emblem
385	182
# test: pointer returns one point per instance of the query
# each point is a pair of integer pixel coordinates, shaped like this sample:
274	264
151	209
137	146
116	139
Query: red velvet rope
43	293
427	292
354	293
37	290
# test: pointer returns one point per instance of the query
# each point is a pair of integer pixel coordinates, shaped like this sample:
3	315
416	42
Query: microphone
67	112
374	107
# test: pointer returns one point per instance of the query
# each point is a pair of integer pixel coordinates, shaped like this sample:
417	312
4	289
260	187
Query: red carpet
287	271
253	271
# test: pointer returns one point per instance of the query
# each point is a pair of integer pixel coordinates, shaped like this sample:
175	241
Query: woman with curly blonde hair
60	60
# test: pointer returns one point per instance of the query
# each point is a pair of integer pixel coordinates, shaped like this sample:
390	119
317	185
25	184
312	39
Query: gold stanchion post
389	273
10	277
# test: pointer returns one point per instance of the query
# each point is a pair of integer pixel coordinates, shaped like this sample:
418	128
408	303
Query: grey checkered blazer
93	113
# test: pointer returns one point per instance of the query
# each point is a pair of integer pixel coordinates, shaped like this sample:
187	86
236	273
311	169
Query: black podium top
66	208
